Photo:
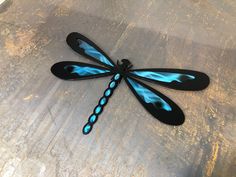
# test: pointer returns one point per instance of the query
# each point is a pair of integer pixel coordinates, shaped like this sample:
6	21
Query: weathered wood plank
41	117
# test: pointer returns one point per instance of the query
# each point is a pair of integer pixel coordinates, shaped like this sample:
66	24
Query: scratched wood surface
41	117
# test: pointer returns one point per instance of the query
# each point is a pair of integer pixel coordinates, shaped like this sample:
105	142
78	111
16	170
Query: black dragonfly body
157	104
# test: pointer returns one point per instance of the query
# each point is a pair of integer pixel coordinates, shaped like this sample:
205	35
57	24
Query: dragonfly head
124	65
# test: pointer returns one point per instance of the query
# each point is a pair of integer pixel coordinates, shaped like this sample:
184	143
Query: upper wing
87	48
156	103
174	78
70	70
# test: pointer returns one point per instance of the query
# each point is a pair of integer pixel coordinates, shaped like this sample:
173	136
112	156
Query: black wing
173	78
70	70
87	48
156	103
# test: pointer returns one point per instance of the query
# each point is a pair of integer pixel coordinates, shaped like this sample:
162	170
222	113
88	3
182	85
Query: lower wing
70	70
156	103
173	78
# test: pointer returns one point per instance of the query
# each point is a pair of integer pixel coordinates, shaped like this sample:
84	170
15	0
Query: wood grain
41	117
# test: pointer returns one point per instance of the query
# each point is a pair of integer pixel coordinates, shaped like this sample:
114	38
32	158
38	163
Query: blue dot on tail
117	76
87	128
98	109
92	118
103	101
108	92
112	84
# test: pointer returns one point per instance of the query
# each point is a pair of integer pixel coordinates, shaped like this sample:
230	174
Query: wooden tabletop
41	116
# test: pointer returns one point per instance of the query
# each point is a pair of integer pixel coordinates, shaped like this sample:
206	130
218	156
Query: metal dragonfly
157	104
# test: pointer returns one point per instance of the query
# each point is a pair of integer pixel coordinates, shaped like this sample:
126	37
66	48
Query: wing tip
71	39
58	70
206	81
72	34
175	118
55	71
202	82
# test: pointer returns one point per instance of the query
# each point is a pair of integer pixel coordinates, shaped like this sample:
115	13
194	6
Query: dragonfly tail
102	102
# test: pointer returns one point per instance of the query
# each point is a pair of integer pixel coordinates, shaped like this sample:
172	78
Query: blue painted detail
87	128
108	92
112	84
164	76
91	51
103	101
92	118
117	76
86	70
98	109
148	96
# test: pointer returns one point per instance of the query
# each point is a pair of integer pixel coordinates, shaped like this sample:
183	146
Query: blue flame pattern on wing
85	70
148	96
91	51
164	76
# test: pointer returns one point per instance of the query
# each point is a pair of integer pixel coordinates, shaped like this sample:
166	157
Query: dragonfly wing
156	103
174	78
70	70
87	48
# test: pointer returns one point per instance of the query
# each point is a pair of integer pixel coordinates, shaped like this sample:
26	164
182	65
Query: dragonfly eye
125	65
